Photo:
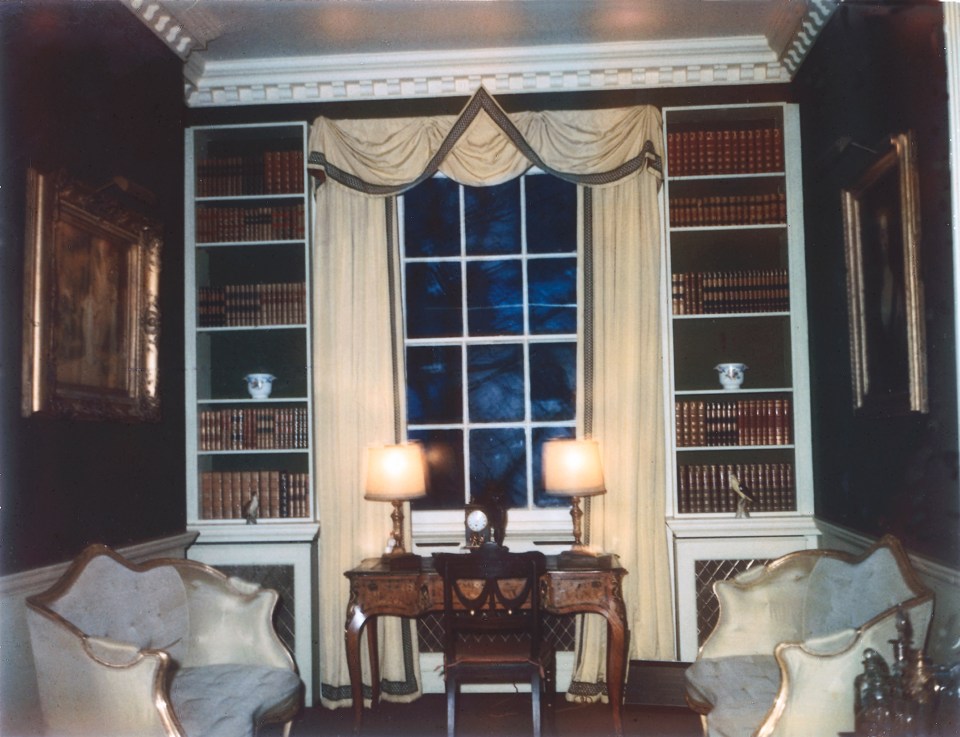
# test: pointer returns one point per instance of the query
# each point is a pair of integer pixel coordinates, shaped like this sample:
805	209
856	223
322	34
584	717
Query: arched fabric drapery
613	156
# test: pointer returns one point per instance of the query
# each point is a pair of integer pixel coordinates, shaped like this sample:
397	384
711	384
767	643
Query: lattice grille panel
559	629
280	579
706	572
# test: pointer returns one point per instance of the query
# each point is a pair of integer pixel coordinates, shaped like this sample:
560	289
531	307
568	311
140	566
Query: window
490	301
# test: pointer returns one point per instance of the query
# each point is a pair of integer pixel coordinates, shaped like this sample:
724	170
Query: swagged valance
486	146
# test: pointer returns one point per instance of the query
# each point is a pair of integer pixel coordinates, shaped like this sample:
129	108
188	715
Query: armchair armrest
759	609
98	686
817	676
213	600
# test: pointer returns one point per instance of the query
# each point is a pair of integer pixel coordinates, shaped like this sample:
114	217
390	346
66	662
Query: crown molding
553	68
165	25
805	32
611	66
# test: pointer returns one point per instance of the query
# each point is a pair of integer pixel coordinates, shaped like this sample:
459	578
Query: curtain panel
613	155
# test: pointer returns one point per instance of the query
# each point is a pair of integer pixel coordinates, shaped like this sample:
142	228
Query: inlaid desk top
375	590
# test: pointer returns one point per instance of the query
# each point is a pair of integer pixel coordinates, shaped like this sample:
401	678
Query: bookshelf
734	269
247	281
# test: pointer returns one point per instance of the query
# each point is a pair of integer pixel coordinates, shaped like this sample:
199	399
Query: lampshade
395	472
572	468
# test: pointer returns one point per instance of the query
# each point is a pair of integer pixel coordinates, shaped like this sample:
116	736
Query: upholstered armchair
171	648
790	637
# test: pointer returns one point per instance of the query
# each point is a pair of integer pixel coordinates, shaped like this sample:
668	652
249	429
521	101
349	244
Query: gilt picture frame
91	316
881	217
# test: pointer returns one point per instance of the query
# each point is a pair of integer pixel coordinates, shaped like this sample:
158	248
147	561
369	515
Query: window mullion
465	333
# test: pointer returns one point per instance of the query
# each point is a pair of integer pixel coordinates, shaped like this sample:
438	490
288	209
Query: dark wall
87	87
876	71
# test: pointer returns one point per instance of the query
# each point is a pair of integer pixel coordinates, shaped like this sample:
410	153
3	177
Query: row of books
765	421
260	172
240	305
719	292
257	428
243	224
747	209
741	150
280	494
707	487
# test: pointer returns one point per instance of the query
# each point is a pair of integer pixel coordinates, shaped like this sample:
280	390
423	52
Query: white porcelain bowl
731	375
259	385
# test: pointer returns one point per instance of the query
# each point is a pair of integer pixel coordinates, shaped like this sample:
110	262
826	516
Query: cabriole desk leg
352	633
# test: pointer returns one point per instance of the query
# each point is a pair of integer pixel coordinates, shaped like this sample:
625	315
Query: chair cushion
741	690
147	609
228	700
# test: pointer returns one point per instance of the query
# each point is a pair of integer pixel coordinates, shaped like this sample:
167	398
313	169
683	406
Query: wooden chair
493	625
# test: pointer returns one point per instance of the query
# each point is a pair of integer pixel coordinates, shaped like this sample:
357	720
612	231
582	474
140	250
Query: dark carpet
503	715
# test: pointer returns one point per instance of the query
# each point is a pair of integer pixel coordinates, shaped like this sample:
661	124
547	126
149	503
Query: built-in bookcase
735	270
247	276
247	281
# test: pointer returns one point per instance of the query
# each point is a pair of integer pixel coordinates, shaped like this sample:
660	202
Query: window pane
465	247
498	464
551	215
431	219
553	295
434	309
434	385
491	219
495	383
553	381
540	436
495	298
444	453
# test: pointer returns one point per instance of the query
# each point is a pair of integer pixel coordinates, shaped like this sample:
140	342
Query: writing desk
376	590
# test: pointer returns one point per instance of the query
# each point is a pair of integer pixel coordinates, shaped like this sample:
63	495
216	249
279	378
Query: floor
503	715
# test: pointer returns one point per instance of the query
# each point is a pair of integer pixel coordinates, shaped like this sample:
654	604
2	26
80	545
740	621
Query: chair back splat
493	624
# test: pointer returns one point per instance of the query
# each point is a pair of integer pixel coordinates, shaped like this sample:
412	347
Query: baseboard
655	683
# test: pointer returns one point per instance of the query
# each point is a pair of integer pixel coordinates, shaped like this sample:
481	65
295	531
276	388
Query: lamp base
401	561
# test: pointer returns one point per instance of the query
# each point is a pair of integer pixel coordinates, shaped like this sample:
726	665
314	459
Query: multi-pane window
490	292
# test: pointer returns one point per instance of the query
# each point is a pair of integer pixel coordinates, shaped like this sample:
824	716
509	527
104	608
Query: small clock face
477	520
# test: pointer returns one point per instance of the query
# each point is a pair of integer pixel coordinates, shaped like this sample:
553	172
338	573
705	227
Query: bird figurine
743	503
252	508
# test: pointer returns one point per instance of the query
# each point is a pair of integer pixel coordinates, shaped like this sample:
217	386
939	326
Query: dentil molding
557	68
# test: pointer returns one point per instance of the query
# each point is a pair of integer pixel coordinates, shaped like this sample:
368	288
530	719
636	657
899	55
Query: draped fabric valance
358	359
485	146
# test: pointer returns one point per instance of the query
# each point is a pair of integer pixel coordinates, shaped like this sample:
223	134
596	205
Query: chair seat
228	700
496	651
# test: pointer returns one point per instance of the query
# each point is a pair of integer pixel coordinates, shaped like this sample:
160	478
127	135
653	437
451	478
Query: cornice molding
556	68
805	33
741	60
165	25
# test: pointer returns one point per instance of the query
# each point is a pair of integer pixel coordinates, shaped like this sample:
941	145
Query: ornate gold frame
881	224
91	317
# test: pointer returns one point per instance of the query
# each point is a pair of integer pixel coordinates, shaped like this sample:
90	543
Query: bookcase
734	268
247	281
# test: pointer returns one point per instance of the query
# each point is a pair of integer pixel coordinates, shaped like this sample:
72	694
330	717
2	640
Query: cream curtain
623	408
358	374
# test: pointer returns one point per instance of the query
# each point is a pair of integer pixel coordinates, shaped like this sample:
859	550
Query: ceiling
265	51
